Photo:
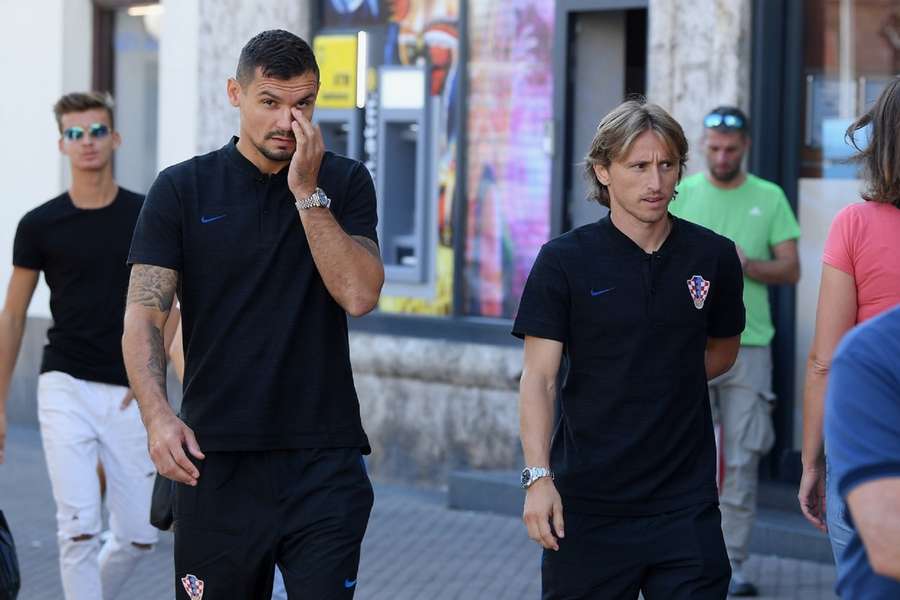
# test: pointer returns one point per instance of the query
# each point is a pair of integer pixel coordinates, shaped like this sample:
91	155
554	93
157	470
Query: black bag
9	564
161	512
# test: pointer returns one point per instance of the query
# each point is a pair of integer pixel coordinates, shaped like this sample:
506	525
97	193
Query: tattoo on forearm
153	287
369	245
156	361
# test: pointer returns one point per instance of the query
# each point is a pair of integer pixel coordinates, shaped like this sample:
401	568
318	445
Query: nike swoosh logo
349	584
599	292
206	220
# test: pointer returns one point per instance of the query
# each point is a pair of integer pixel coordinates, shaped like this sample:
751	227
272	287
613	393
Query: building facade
472	116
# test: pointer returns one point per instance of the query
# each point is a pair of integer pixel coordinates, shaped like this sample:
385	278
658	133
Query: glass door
852	49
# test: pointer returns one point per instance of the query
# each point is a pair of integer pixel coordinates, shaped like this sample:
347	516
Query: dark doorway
604	61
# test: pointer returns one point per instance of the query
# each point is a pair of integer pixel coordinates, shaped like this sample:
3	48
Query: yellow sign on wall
336	55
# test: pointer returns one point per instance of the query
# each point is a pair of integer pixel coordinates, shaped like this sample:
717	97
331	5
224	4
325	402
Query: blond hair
618	130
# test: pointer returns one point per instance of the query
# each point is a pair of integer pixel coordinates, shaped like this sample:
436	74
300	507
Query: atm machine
342	64
404	212
342	130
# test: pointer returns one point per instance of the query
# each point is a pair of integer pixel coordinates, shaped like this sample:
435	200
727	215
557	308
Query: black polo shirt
267	362
635	433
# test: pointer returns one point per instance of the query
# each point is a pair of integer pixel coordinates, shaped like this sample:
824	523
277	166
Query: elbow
537	381
364	299
719	369
132	320
729	360
360	309
726	366
794	275
818	366
362	303
886	564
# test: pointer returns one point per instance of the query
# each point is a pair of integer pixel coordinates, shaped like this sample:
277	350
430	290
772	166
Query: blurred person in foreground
755	215
80	241
860	279
862	425
645	307
270	242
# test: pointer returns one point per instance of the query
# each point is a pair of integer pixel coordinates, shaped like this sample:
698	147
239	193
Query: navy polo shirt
862	429
635	433
267	362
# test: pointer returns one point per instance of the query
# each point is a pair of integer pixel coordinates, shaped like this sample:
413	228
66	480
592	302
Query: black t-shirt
82	254
267	362
635	433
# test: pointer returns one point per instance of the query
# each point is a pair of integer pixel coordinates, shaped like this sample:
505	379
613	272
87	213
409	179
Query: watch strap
316	199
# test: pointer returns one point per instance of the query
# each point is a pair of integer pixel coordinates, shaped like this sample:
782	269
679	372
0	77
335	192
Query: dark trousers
304	510
673	556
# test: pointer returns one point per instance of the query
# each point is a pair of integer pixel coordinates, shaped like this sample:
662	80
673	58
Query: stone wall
699	57
428	406
431	406
225	26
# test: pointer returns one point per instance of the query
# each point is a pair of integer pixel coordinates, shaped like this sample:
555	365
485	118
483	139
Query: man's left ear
233	89
602	174
116	139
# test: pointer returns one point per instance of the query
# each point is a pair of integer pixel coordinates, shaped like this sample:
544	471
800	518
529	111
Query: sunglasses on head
95	130
714	120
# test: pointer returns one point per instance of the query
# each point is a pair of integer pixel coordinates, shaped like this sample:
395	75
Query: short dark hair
880	156
740	123
279	53
618	130
82	101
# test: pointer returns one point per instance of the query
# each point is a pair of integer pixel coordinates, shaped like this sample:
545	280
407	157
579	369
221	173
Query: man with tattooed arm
269	242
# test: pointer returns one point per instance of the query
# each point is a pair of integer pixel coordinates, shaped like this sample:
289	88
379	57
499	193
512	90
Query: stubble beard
651	218
727	177
275	155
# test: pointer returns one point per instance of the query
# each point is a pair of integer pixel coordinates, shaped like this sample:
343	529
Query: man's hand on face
303	175
167	438
543	505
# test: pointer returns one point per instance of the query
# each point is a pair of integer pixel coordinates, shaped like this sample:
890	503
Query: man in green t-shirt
755	215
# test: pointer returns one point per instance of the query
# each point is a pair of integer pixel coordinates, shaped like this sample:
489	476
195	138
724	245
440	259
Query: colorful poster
427	32
336	55
509	164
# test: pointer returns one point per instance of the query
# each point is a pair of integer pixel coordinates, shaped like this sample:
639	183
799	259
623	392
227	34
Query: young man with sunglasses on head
755	215
80	241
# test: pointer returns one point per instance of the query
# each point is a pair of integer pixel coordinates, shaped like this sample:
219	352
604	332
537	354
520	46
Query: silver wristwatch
317	199
532	474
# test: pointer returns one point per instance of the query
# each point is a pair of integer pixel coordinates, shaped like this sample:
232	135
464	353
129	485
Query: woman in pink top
860	279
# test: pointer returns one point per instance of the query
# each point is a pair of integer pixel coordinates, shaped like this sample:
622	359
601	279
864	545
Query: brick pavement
415	548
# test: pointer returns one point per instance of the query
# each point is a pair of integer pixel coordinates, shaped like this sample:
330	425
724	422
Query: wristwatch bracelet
316	199
532	474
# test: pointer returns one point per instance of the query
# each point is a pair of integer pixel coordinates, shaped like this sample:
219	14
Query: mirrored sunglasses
714	120
95	130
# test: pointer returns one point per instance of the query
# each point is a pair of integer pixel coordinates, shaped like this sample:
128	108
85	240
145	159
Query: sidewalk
415	548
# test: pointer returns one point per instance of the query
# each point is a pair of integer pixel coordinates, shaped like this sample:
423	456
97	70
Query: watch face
526	477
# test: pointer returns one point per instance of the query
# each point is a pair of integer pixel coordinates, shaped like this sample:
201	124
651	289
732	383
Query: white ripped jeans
83	422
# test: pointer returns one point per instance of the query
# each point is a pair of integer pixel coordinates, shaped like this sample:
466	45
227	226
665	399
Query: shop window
852	51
